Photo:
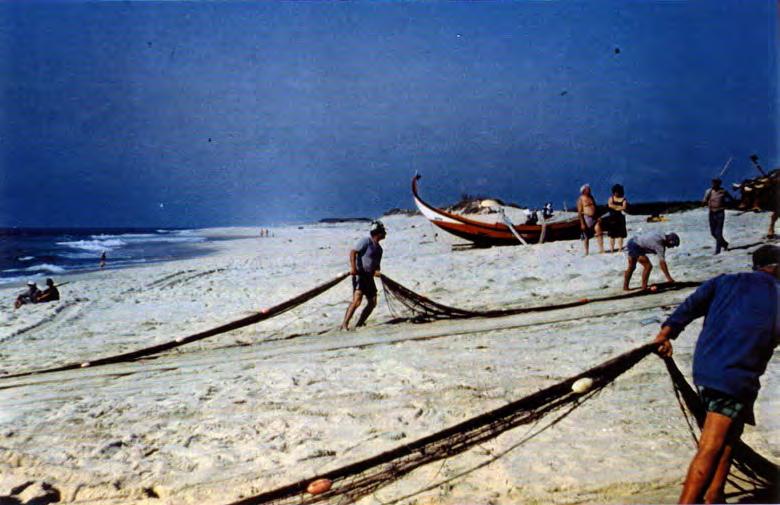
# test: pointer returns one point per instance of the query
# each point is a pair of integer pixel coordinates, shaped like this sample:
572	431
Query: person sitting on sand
617	204
364	263
649	243
736	342
589	222
50	294
716	198
30	296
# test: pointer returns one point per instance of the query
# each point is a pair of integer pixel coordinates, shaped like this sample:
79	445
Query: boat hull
493	234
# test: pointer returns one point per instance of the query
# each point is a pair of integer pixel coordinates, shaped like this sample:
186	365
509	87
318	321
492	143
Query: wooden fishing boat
491	234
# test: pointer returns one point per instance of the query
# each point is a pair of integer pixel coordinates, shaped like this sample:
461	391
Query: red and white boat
489	234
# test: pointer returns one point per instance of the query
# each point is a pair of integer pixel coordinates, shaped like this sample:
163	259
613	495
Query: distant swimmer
364	263
735	344
649	243
50	294
29	296
589	222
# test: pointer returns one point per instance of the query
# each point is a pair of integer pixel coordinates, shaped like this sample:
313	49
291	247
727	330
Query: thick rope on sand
167	346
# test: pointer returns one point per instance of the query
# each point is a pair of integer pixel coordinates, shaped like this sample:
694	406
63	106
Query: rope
167	346
424	309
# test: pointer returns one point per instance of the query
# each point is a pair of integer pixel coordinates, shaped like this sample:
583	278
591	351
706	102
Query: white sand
247	411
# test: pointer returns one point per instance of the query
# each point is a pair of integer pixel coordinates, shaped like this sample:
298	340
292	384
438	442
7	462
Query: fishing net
359	479
167	346
354	481
401	299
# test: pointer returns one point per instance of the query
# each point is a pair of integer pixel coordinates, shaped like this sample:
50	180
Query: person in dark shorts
716	198
364	264
740	332
639	247
616	220
589	221
50	294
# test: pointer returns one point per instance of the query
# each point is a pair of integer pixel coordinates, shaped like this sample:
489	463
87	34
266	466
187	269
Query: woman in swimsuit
617	204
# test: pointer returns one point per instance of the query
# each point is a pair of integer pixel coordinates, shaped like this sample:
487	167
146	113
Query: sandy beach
254	409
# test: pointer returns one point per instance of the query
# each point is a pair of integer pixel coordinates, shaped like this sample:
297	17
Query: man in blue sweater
741	329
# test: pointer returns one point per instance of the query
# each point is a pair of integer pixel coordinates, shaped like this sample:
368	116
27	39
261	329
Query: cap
673	239
766	255
377	227
31	283
583	187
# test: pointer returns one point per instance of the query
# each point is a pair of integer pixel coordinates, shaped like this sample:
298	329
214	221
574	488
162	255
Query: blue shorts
723	404
634	250
365	283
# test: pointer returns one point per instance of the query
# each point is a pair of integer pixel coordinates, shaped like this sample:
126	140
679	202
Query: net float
582	385
319	486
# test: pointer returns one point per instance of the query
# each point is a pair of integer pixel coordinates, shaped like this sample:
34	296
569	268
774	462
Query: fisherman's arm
353	262
694	307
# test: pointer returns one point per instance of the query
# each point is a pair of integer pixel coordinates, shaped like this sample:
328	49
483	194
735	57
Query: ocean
37	253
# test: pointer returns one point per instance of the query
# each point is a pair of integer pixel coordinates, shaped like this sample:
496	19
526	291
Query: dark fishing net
359	479
354	481
401	299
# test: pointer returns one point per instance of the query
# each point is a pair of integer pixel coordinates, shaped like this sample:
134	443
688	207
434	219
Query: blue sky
226	113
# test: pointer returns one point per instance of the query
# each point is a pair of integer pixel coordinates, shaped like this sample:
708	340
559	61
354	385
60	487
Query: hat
673	239
766	255
377	227
31	283
583	187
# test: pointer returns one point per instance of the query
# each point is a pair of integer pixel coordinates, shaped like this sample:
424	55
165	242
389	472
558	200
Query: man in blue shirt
364	263
741	330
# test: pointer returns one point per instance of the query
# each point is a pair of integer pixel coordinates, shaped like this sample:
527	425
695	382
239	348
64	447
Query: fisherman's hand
377	273
353	272
664	348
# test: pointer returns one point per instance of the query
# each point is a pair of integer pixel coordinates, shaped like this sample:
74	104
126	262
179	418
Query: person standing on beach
741	330
617	204
589	222
649	243
103	260
364	263
716	198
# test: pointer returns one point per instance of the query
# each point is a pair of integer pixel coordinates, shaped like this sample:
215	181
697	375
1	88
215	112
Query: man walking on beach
364	263
589	223
741	330
716	198
649	243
